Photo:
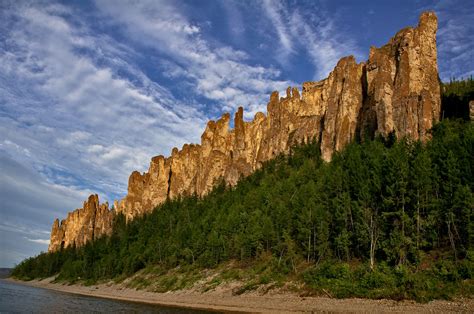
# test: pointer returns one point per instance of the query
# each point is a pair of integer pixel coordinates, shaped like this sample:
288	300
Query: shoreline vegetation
387	218
223	300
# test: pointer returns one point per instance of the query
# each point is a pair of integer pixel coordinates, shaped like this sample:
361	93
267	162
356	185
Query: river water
17	298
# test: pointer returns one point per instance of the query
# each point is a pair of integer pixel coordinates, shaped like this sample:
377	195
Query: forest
385	218
455	97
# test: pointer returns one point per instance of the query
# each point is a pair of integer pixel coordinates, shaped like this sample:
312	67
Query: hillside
360	186
384	218
396	91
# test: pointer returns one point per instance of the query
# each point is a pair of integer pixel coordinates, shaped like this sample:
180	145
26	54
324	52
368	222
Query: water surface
17	298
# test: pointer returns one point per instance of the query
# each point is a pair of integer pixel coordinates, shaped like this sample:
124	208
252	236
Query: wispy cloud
455	39
22	229
311	31
40	241
217	72
275	11
76	117
75	104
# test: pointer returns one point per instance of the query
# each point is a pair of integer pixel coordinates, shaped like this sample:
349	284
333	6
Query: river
18	298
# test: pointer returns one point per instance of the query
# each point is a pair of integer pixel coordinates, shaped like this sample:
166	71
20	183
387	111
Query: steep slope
301	223
396	90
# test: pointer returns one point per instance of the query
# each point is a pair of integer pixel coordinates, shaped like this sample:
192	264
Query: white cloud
311	31
72	104
455	40
22	229
212	68
40	241
275	12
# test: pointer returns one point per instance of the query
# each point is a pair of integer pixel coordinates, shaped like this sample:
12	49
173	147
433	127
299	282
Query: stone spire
396	90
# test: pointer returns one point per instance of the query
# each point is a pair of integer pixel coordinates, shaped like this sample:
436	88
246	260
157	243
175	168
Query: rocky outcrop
396	90
90	222
403	90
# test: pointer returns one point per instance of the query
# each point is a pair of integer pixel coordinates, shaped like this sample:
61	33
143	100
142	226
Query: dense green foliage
455	98
384	218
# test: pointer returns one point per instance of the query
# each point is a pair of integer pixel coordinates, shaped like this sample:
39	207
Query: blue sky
91	90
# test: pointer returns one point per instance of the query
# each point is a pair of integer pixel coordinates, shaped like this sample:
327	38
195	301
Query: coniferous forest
386	217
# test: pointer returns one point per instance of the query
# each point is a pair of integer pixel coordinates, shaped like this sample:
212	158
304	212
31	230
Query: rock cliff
396	90
84	224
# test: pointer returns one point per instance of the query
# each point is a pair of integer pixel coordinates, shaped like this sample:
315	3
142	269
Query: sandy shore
254	303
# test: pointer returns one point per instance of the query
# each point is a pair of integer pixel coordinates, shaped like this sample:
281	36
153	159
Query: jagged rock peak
90	222
396	90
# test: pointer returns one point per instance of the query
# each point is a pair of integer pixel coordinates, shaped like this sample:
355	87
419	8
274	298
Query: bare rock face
403	90
396	90
145	190
337	100
90	222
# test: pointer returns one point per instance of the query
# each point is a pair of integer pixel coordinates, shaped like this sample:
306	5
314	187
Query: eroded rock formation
82	225
396	90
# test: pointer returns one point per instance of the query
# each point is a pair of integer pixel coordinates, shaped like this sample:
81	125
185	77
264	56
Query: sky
91	90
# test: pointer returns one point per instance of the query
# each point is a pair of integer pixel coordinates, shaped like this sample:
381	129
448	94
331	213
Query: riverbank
223	300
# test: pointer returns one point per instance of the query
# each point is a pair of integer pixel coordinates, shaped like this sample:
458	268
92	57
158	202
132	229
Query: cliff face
396	90
84	224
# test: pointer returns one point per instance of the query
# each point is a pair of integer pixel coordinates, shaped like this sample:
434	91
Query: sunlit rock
396	90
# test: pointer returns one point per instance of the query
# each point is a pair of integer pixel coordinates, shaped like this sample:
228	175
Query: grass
261	273
441	280
435	277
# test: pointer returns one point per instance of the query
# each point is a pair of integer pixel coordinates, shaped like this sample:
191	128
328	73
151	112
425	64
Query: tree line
390	205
